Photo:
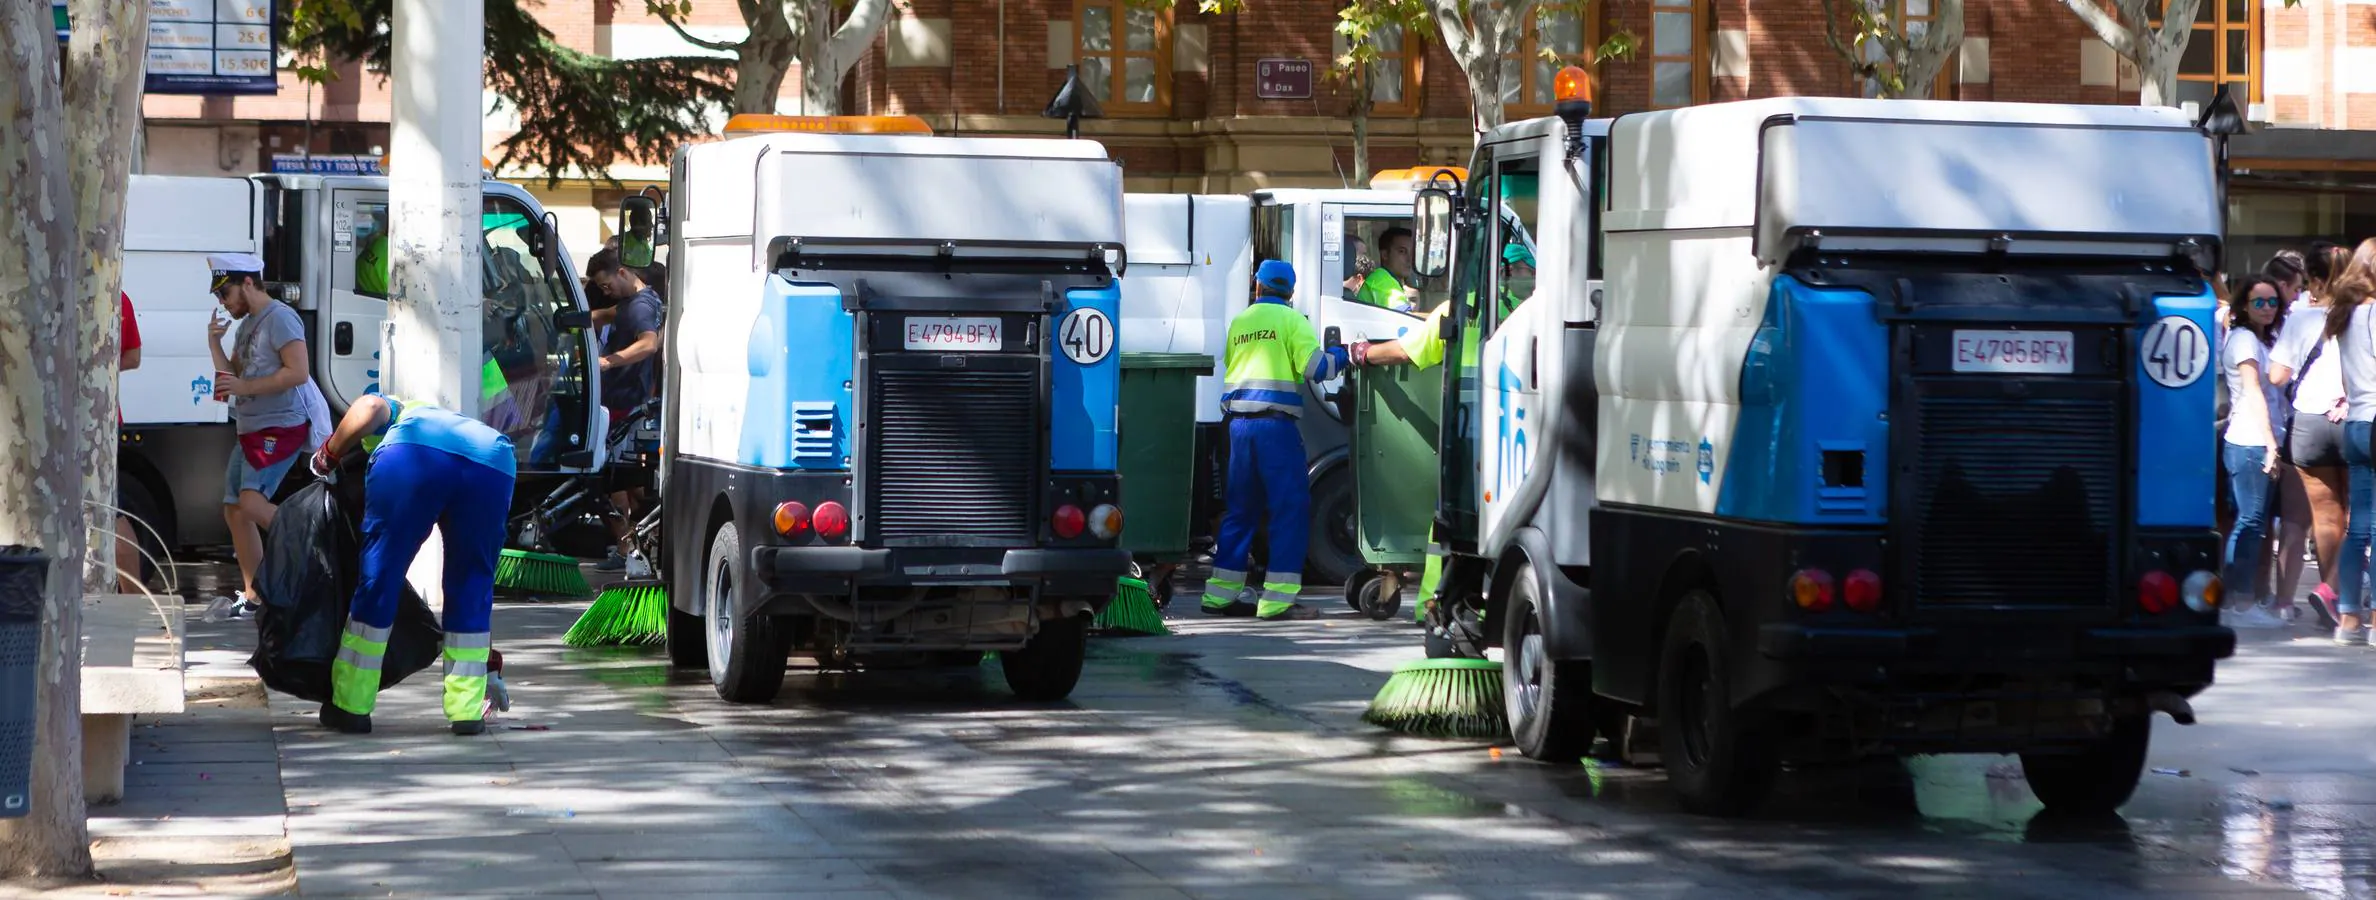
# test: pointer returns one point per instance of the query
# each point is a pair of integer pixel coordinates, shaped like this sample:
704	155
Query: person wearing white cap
268	362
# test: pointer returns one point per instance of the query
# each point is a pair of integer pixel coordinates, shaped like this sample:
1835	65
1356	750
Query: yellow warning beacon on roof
762	123
1413	178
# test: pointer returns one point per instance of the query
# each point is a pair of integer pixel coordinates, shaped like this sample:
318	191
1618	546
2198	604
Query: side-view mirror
638	216
1431	216
574	320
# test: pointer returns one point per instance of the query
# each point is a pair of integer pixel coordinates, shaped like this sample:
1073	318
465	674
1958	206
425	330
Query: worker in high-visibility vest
429	467
1270	351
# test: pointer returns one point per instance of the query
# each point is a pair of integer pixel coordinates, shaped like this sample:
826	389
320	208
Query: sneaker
344	722
2290	612
2324	597
612	563
2254	616
1293	612
2350	633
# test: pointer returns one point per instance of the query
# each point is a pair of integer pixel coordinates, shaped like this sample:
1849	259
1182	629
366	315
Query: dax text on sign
1283	79
211	47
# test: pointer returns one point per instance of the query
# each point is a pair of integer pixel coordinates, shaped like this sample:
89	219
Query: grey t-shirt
255	349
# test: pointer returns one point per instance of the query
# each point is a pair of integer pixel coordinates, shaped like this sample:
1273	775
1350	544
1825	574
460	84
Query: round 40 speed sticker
2174	352
1086	336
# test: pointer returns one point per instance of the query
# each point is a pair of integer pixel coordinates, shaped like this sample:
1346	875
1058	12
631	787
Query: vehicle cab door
348	338
1516	338
538	383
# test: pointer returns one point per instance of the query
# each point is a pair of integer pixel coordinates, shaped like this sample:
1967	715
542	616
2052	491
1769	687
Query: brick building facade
1183	112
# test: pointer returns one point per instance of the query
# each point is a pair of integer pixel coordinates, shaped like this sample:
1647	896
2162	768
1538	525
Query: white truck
1192	261
1886	433
309	229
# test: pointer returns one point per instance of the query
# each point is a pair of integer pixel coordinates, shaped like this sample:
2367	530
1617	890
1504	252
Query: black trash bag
312	559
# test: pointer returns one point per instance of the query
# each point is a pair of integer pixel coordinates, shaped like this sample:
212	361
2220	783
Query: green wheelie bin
1157	423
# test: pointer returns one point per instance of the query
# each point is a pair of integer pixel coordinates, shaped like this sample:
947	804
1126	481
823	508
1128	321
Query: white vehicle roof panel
194	215
1906	166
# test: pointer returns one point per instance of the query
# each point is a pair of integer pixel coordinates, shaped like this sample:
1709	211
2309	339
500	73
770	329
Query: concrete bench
131	665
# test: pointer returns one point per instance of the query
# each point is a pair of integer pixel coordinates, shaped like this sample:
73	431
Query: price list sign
211	47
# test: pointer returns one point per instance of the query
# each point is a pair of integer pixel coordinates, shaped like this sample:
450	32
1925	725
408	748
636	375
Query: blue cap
1276	276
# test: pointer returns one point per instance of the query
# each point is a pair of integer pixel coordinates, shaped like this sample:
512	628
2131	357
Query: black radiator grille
956	457
2017	503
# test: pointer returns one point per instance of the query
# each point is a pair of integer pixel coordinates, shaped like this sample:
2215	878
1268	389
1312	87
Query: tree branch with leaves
1887	53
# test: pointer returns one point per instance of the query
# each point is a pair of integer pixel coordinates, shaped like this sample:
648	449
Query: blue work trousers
1266	477
411	488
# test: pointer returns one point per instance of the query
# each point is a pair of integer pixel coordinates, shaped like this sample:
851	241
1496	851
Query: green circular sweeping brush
1447	698
540	575
1132	611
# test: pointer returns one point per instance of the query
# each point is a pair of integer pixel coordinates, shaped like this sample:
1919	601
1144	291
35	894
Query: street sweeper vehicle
891	376
1193	269
317	235
1837	427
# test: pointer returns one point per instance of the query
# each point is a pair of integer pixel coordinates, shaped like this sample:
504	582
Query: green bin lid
1146	360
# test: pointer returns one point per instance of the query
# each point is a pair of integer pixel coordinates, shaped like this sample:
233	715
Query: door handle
342	339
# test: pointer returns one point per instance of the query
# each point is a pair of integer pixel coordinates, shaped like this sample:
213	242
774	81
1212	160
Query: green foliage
579	113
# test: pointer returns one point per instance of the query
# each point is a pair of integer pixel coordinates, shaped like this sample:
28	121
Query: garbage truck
1194	270
891	380
315	234
1831	428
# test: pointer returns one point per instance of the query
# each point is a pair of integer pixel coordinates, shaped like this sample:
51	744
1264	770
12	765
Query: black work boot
1237	609
344	722
473	726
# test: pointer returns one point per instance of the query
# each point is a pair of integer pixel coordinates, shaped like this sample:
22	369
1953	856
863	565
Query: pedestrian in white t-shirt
2248	448
2351	324
2303	364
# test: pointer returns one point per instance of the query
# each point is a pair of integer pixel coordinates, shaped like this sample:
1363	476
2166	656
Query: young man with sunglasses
260	375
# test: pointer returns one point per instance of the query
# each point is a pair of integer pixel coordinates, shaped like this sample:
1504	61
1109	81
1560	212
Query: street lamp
2222	120
1073	103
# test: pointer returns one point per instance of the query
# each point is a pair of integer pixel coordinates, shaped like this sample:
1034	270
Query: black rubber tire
1334	553
2097	780
1356	584
1049	664
688	647
1550	702
1381	598
746	656
1719	760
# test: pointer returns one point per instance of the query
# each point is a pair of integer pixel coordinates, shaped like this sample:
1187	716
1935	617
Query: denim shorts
2316	443
239	476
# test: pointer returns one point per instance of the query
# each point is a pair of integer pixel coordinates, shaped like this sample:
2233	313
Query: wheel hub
1530	667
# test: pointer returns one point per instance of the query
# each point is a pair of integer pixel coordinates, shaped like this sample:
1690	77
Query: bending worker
1271	350
429	467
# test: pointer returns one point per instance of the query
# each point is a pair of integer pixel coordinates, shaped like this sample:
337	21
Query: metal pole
431	346
434	197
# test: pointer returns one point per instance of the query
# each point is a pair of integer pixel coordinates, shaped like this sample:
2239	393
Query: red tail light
1068	521
1812	589
1863	591
792	519
833	522
2157	592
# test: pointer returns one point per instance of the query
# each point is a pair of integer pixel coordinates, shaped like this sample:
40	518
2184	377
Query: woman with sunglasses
2249	448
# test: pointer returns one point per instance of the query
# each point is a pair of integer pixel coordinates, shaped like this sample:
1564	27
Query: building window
1914	18
1552	41
1678	53
1394	78
1123	51
2224	49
